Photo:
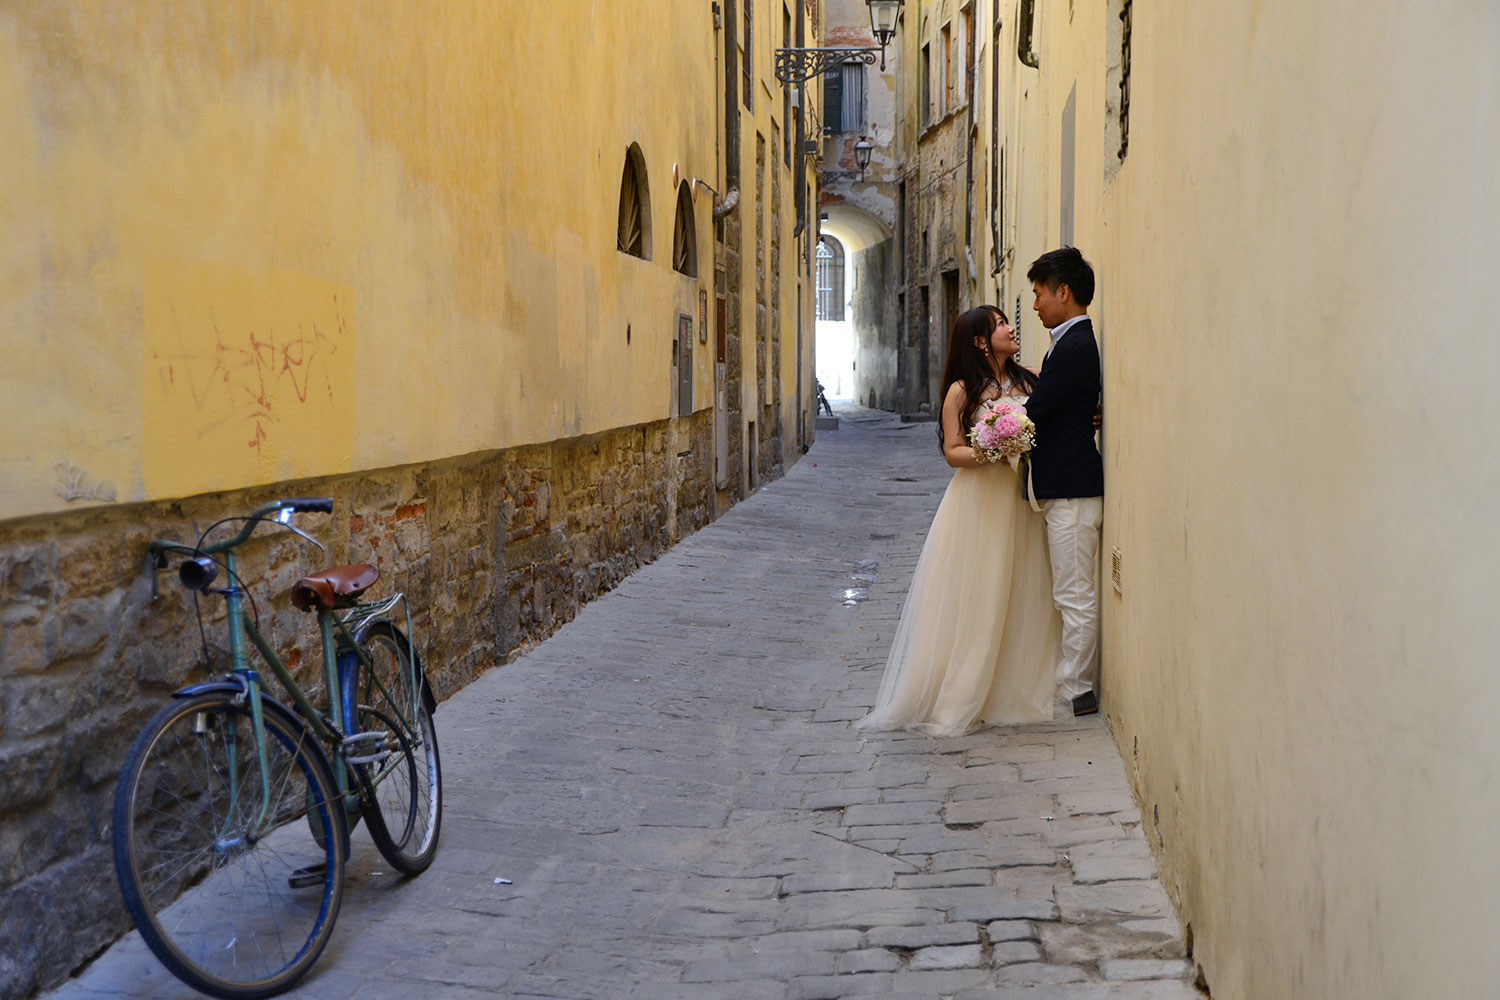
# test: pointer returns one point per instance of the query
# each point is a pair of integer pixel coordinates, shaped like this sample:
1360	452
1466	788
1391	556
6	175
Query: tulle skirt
979	638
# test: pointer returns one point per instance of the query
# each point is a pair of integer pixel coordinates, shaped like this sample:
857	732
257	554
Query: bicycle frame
338	645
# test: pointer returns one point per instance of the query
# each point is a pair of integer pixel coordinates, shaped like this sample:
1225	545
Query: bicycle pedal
303	878
365	748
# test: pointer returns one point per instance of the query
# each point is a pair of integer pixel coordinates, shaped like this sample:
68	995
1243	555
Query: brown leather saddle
338	587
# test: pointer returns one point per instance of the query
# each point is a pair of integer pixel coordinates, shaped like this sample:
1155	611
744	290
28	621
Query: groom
1067	473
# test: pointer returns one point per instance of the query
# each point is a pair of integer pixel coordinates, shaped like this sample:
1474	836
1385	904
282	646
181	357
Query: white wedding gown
979	638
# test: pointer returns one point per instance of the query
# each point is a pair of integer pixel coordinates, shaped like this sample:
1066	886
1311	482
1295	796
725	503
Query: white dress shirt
1062	328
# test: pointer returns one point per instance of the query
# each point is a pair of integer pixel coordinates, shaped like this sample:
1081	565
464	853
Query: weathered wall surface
495	551
874	319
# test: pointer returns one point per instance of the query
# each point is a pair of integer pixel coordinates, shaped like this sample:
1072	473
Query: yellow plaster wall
423	202
1299	380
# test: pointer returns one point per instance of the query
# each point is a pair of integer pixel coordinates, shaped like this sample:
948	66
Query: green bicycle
248	802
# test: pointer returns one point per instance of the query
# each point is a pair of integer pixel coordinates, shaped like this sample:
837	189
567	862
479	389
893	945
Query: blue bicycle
233	810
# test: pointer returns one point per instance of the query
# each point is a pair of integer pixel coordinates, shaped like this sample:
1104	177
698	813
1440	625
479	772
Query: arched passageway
858	312
835	341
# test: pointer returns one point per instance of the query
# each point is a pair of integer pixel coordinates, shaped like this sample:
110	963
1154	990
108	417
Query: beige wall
246	243
1294	262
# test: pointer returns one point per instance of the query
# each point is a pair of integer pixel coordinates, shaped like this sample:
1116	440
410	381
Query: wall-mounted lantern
862	150
883	15
799	65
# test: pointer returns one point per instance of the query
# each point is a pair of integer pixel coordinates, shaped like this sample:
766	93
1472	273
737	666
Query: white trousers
1073	545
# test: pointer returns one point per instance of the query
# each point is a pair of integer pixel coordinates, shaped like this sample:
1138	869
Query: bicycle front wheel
404	811
237	903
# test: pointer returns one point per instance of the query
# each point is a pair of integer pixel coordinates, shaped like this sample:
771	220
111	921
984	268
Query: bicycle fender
267	703
194	690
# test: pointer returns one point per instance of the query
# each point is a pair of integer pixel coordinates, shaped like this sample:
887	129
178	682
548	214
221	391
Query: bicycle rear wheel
233	907
404	811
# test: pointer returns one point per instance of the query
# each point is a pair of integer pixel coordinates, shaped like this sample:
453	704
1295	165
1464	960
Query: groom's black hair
1064	267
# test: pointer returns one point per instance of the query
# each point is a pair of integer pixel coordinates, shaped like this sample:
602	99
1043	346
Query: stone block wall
495	551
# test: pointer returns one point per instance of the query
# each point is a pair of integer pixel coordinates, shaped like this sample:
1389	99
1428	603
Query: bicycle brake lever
284	518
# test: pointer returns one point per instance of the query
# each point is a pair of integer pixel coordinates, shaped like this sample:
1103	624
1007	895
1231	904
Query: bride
979	637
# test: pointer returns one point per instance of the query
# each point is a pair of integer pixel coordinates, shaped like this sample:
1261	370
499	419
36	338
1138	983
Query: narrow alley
666	799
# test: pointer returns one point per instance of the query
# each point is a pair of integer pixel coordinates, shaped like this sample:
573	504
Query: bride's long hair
968	363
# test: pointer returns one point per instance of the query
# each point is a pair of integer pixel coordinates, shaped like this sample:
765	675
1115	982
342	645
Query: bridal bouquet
1002	431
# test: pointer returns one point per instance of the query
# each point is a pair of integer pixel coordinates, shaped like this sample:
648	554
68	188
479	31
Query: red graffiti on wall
254	368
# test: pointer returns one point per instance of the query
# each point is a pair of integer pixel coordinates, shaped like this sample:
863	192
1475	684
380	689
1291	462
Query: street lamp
799	65
862	150
883	15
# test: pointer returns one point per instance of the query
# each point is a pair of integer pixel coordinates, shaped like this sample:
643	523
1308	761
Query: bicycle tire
403	808
232	915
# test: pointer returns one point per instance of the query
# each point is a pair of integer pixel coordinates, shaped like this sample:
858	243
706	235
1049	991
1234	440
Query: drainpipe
729	203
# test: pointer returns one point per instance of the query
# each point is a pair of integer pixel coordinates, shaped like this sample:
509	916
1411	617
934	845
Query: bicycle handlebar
310	505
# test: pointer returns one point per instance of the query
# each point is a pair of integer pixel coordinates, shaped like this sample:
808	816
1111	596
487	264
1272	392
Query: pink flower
1002	429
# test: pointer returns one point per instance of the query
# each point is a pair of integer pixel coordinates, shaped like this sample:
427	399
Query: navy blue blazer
1065	462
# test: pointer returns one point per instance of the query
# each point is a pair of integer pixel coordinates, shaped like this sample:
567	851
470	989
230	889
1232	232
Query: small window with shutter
634	229
685	234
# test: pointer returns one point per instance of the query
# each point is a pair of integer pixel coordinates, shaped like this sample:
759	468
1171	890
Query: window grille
830	280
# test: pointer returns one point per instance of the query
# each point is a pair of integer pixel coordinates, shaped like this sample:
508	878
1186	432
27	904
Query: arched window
830	279
635	206
685	234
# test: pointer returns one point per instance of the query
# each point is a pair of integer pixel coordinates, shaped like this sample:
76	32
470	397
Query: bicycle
249	803
821	405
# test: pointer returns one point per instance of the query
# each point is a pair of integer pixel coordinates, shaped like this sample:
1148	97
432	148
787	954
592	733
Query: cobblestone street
672	787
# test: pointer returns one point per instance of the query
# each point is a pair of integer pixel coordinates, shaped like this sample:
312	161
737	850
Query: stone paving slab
673	786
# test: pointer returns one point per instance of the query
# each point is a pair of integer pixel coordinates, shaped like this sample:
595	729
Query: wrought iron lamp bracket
800	65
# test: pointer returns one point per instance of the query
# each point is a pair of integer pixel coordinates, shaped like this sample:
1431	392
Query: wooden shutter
833	100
